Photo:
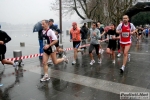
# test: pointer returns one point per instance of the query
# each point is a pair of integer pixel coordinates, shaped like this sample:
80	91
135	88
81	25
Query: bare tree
106	11
80	7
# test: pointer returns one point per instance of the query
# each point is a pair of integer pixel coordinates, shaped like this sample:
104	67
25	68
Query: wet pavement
81	81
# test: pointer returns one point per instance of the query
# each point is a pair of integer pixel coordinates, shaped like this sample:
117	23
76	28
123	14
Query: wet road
81	81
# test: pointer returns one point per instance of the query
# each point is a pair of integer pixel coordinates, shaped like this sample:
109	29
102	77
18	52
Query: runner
125	30
75	37
101	50
94	37
57	32
50	40
118	44
4	38
139	33
112	37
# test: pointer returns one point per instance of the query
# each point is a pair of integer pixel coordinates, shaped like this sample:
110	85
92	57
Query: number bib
125	34
111	36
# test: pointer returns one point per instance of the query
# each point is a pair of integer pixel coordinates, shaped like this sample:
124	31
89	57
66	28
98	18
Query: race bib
44	42
125	34
111	36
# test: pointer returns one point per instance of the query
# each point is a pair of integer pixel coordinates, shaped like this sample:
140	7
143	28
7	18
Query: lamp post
60	19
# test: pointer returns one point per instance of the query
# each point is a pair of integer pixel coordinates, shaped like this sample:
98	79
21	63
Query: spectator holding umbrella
51	25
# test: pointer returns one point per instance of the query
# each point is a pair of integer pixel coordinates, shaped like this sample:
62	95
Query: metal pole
60	19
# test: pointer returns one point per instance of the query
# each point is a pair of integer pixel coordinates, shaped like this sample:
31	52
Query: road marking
92	82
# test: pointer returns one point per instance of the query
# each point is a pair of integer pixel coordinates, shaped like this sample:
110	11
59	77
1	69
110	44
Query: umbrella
86	21
107	28
37	27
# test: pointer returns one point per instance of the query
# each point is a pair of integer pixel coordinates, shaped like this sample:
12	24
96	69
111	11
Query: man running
75	37
50	40
4	38
125	30
112	36
101	29
94	37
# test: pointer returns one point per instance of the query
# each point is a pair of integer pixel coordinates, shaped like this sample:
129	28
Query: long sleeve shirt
4	37
94	39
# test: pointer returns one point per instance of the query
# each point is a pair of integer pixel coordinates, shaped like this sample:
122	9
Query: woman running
112	37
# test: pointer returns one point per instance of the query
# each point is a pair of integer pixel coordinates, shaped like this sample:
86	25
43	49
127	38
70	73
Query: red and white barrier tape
37	55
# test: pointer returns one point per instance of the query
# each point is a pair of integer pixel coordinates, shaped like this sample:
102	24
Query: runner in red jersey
125	29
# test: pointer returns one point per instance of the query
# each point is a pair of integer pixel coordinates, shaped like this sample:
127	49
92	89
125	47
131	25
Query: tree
141	18
81	7
105	11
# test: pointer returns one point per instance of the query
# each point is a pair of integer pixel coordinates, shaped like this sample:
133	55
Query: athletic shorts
2	57
112	46
92	46
50	50
123	45
140	34
57	44
76	44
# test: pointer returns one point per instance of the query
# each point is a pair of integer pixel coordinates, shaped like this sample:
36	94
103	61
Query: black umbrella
86	21
37	27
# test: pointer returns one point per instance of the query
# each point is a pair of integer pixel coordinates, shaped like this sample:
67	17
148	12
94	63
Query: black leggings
92	46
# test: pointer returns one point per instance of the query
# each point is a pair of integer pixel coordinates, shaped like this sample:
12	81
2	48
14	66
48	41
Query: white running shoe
66	59
122	69
99	60
92	62
129	55
15	64
102	51
119	55
114	62
74	62
45	78
50	62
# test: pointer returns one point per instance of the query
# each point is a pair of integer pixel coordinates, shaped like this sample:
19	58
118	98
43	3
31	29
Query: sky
29	11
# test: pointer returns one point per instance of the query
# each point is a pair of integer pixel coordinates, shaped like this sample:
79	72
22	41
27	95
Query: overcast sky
28	11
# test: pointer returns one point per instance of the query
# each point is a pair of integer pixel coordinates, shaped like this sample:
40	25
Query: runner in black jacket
4	38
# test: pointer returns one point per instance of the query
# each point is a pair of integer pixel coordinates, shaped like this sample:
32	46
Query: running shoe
92	62
66	59
74	62
45	78
119	55
114	62
50	62
129	55
122	69
100	50
99	60
15	64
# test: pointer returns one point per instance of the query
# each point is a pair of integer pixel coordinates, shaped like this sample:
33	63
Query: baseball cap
51	20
